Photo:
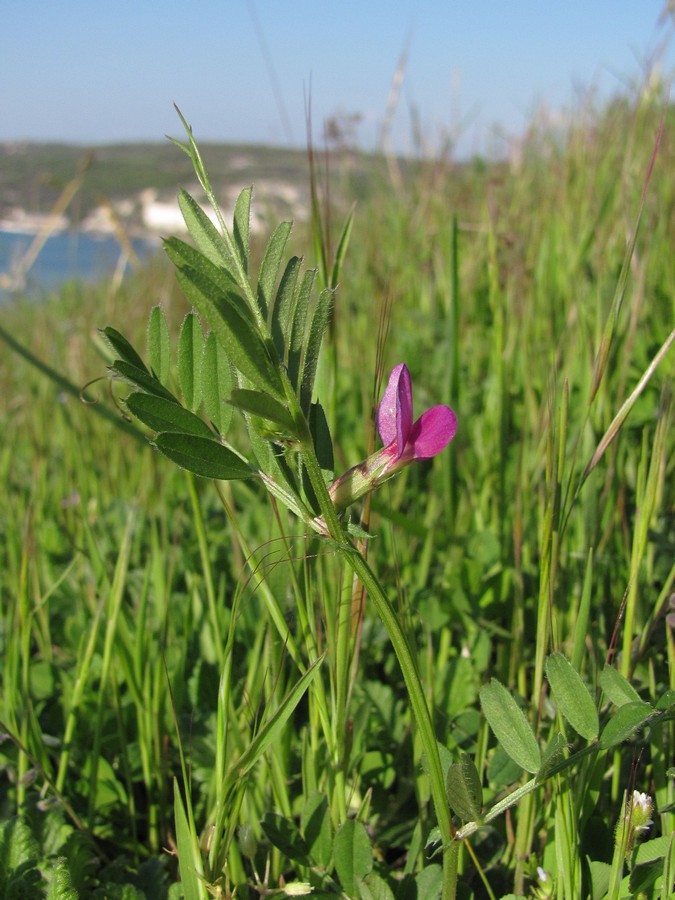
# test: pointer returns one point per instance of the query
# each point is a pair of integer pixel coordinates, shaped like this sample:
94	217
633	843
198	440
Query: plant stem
404	655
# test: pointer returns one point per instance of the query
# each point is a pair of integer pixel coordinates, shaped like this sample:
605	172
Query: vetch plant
260	357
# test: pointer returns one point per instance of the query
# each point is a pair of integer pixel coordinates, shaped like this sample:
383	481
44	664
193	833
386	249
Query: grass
158	635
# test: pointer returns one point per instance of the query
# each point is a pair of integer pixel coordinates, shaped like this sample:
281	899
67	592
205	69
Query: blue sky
91	72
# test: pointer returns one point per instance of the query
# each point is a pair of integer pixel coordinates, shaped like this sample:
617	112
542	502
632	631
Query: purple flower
404	440
409	440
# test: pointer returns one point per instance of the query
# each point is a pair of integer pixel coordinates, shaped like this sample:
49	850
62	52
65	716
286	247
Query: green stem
420	709
404	655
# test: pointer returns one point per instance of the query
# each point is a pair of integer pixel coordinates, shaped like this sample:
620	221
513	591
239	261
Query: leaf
617	688
188	872
283	308
202	456
643	880
60	882
158	344
241	224
502	770
510	725
652	850
600	873
123	348
227	316
374	887
283	834
260	404
317	829
19	876
323	445
141	379
216	384
353	855
269	268
625	722
465	794
429	882
165	415
190	360
185	256
572	696
666	701
205	234
310	355
298	325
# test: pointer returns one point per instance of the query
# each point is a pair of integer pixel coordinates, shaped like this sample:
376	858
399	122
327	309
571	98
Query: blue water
65	256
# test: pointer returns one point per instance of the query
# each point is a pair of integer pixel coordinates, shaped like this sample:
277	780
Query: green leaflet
572	697
216	383
190	360
241	224
312	346
284	834
161	414
318	425
510	725
123	348
617	688
465	794
298	326
317	828
205	234
269	269
183	255
282	311
353	855
628	719
140	378
260	404
203	456
227	316
159	352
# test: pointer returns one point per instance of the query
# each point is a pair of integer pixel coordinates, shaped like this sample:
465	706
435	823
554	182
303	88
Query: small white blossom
642	807
297	889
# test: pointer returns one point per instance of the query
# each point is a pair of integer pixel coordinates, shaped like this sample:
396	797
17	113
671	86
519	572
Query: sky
88	72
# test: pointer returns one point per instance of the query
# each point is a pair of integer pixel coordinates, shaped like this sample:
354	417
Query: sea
65	256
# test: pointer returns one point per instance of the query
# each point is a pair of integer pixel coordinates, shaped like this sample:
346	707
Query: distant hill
33	176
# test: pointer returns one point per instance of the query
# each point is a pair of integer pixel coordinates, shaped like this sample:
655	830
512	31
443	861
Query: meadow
224	678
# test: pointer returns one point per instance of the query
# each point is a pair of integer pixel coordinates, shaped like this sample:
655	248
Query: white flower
297	889
641	811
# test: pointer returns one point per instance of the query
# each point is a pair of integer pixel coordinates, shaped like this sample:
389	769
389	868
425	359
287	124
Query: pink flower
409	440
404	440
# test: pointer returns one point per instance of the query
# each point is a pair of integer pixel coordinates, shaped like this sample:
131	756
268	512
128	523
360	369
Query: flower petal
431	433
404	410
394	416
